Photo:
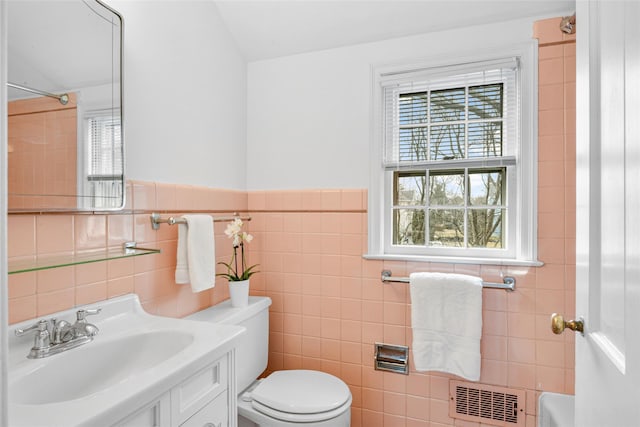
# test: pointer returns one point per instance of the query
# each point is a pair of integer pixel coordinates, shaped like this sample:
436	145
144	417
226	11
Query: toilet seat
300	418
301	396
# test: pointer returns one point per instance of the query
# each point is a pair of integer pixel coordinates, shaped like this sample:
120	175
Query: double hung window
456	182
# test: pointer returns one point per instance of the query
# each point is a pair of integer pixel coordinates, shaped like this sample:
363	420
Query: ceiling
271	28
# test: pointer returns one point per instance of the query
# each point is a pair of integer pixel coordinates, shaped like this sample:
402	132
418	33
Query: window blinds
447	116
105	148
104	166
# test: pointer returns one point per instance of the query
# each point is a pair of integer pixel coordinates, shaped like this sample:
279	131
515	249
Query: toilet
284	398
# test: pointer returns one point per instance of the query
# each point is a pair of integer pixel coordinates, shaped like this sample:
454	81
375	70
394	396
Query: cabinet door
214	414
155	414
196	391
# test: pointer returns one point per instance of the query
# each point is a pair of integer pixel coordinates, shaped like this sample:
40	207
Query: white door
608	213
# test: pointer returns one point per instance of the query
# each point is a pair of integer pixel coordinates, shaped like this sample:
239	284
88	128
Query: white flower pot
239	292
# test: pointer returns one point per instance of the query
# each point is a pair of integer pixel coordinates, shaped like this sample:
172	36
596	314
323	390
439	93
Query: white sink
97	366
134	357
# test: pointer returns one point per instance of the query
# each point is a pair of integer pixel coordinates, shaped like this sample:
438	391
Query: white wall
309	114
185	95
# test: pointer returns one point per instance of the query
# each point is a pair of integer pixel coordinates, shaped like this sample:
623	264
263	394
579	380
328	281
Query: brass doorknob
558	324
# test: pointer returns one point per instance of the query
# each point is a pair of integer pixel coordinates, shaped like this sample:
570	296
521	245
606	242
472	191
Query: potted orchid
238	273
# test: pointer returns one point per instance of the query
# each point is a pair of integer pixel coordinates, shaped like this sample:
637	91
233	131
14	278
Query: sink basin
96	366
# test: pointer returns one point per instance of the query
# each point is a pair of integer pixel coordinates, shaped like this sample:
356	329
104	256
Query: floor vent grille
487	404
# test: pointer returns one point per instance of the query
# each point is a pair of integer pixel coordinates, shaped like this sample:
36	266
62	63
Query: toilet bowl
284	398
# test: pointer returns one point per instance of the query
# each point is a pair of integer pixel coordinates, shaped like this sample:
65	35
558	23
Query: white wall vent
487	404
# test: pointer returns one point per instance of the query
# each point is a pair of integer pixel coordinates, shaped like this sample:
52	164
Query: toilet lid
301	392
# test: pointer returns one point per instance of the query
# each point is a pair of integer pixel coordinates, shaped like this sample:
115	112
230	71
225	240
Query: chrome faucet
58	329
63	336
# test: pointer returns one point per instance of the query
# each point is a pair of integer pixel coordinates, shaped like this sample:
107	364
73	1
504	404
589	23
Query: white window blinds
105	148
450	115
104	161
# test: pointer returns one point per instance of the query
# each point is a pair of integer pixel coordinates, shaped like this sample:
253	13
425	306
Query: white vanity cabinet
204	399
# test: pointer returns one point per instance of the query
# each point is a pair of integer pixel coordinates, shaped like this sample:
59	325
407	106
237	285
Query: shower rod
568	24
64	98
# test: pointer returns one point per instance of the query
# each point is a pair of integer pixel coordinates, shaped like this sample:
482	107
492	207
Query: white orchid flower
236	268
233	229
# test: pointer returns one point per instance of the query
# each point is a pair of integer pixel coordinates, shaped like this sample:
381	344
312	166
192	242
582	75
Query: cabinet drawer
199	389
215	414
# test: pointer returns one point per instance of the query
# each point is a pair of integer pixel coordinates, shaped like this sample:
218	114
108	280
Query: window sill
455	260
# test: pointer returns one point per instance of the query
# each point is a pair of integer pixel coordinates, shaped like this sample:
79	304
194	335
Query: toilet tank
253	346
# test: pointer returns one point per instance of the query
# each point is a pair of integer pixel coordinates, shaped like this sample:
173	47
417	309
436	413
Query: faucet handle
42	342
81	314
40	326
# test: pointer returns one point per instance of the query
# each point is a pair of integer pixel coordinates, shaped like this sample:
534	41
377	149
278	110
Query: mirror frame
77	208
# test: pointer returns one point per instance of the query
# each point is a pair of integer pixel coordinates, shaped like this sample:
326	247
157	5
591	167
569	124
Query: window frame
521	222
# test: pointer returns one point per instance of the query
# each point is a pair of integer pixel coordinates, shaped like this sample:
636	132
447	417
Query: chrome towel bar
508	284
156	219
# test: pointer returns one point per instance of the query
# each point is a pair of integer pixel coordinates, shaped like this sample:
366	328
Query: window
456	171
103	175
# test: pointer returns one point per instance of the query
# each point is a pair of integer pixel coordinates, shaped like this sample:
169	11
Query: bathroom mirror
65	139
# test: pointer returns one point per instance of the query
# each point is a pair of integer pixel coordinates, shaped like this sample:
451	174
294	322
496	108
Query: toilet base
249	417
243	422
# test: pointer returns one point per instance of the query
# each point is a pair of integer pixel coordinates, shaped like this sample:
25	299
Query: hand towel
195	263
182	269
446	319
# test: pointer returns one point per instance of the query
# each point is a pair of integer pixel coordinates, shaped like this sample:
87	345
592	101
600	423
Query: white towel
196	256
446	318
182	269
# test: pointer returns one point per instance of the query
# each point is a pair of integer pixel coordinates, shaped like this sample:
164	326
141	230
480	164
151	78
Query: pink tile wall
151	276
42	152
556	193
329	305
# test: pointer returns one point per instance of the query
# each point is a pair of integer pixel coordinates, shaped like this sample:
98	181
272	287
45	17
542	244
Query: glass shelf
26	264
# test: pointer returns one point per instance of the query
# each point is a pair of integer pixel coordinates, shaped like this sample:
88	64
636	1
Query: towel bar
156	220
509	283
